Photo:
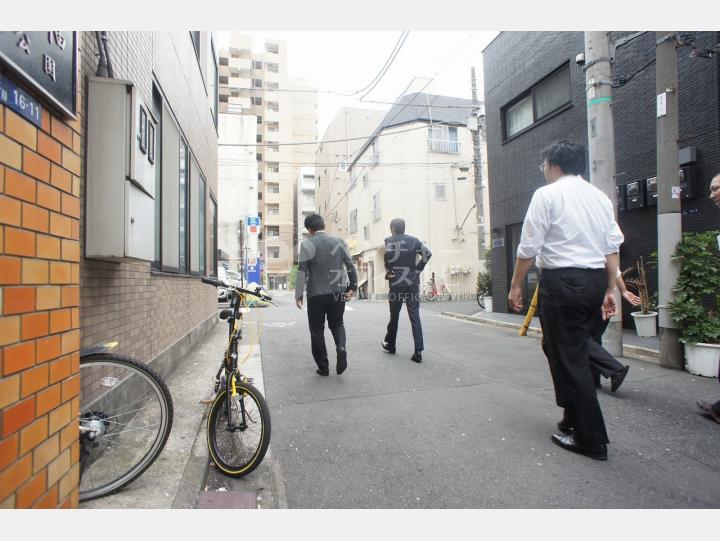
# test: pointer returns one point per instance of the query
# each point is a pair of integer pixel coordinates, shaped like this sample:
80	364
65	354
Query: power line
387	66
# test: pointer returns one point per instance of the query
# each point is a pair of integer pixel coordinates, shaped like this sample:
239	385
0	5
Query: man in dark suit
321	262
405	258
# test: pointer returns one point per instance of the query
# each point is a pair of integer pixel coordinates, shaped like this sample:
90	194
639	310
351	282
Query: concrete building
535	94
305	201
79	266
332	161
417	166
237	189
256	83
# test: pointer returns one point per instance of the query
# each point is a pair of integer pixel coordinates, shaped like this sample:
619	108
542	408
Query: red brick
9	270
60	369
68	482
68	435
71	206
19	185
59	418
48	348
34	325
70	161
61	132
14	476
20	129
45	120
71	387
17	300
49	147
35	218
18	357
33	435
17	416
10	211
71	250
60	226
70	296
34	271
9	330
10	152
35	165
75	321
29	493
60	178
19	242
76	143
75	230
9	390
48	197
46	452
70	342
75	363
48	399
34	379
8	451
75	450
75	273
60	321
49	501
60	273
48	247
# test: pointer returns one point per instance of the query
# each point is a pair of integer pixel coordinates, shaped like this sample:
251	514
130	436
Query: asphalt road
470	427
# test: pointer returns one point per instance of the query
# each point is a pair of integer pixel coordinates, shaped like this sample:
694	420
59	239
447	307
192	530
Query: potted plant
646	317
697	301
484	282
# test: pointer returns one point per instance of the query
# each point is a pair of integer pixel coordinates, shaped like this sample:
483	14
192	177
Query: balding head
715	189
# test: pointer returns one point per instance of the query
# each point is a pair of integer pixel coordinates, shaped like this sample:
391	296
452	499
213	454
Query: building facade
305	201
256	83
417	166
535	93
77	269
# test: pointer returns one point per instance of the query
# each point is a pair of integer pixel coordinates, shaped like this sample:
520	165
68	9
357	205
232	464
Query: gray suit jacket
321	262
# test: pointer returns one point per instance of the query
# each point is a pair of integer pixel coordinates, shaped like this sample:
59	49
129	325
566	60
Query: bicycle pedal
207	401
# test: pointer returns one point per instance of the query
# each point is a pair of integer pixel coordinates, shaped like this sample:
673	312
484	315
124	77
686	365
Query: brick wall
39	303
517	60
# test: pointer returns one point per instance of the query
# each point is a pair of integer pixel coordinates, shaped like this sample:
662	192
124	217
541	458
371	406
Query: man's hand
349	295
299	303
609	307
631	297
515	298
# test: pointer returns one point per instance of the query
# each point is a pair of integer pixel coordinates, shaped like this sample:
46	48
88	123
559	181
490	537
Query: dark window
195	37
184	194
157	111
544	99
213	235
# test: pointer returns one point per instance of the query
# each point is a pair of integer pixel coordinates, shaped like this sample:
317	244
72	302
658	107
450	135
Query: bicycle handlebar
219	283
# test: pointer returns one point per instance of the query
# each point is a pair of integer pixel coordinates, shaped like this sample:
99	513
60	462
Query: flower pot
702	359
487	301
645	324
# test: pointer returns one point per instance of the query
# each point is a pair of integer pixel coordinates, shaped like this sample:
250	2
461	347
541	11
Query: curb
633	352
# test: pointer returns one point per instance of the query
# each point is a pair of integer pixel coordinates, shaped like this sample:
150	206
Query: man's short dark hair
314	222
569	157
398	226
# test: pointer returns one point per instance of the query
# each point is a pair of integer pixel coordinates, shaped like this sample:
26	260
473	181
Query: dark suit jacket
321	262
406	257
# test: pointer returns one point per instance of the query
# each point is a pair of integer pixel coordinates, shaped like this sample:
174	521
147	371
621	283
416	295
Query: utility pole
477	162
601	147
669	219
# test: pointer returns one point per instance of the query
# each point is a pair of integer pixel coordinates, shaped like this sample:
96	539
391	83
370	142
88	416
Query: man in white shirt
570	233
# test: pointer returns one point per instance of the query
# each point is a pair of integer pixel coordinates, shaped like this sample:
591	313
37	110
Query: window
273	210
212	83
197	226
272	85
376	207
257	65
183	211
273	167
257	83
157	107
440	192
547	97
258	139
213	236
273	232
259	176
195	37
272	48
365	180
259	120
273	106
353	225
273	126
366	232
273	67
256	100
443	139
273	146
273	252
259	196
258	157
273	187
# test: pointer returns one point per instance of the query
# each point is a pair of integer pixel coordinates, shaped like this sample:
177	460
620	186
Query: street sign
252	220
253	229
20	101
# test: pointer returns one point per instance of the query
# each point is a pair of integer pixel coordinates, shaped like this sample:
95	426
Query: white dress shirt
570	223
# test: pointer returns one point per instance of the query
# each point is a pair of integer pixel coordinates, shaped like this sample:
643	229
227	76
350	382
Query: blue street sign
20	101
252	220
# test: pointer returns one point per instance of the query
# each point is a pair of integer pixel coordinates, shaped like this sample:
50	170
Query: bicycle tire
480	302
218	418
445	295
112	455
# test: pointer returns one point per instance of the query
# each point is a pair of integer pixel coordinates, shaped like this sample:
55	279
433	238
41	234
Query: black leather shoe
388	348
598	452
417	357
617	378
565	427
341	361
708	411
323	372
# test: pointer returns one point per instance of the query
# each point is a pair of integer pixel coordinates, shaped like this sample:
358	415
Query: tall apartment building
256	83
332	161
305	201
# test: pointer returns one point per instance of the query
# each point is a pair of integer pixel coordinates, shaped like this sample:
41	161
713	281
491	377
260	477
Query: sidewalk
646	349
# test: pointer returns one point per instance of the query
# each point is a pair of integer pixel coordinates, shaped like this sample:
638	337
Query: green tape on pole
599	100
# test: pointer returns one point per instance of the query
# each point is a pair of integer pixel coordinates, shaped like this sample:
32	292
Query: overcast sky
348	61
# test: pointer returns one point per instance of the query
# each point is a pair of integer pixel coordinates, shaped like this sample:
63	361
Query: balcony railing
444	145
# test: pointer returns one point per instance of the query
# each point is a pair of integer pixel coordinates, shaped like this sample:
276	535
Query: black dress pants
319	308
570	299
411	298
601	361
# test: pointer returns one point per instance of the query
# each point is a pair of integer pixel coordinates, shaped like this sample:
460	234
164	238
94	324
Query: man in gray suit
321	262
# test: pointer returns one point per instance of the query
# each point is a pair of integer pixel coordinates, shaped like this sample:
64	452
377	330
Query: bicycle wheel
445	294
126	414
239	450
479	297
